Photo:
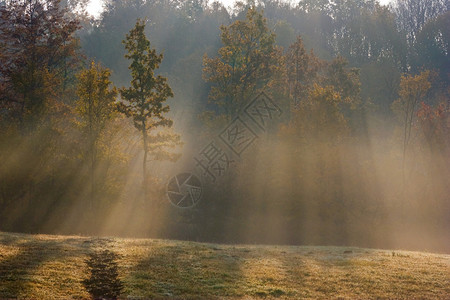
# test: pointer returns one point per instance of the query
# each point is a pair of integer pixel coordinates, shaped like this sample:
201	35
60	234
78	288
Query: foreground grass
48	267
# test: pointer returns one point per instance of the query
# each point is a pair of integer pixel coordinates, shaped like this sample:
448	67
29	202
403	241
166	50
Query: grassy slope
45	267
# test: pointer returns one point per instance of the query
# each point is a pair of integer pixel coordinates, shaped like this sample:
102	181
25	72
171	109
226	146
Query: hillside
48	267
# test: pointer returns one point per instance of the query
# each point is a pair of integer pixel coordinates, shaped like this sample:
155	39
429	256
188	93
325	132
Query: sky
95	6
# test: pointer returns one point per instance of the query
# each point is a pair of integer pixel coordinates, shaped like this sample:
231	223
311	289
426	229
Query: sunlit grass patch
54	267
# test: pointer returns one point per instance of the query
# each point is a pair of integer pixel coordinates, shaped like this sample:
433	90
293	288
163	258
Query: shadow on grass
18	268
42	267
104	282
191	272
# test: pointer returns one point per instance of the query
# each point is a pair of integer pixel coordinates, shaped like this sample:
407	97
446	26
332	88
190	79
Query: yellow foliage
319	117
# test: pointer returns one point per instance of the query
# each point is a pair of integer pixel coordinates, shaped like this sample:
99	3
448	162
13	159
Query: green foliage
433	45
247	61
322	168
96	99
144	100
148	92
285	34
95	108
379	84
344	80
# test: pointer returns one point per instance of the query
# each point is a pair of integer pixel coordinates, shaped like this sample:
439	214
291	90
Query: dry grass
49	267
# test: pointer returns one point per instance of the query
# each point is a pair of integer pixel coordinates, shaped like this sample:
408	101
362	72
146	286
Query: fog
296	128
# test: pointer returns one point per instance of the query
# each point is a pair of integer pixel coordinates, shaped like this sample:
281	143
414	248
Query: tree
247	62
95	107
413	89
39	49
433	47
144	100
412	15
303	70
319	117
344	80
435	126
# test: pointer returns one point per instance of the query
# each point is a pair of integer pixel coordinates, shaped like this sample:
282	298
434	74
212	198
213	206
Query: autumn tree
316	138
39	49
306	72
413	90
345	80
144	100
319	117
246	62
95	107
435	126
302	69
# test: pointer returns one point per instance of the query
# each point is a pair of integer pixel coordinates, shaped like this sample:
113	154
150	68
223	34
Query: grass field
49	267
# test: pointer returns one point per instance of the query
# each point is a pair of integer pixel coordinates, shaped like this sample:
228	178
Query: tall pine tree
144	100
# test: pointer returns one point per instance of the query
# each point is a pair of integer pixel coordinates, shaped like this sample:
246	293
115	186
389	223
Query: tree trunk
92	176
144	162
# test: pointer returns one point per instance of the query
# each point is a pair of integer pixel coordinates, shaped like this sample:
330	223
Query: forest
302	123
